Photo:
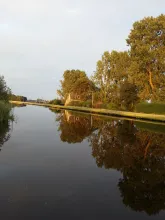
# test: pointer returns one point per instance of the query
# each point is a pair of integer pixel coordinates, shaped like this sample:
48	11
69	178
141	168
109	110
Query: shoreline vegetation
5	106
133	115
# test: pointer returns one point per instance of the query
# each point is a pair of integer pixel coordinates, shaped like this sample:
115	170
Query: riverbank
150	117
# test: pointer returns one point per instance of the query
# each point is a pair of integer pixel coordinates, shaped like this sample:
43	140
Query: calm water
62	165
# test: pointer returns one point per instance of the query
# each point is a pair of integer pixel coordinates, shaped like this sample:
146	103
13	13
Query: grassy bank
5	111
150	117
151	108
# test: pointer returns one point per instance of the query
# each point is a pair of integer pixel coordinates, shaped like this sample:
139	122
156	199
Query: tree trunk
150	79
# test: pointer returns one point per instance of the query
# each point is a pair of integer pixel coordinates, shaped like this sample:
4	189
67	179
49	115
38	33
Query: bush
56	102
87	103
111	106
155	108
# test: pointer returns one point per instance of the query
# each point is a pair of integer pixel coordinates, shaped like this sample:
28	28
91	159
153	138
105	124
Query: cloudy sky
39	39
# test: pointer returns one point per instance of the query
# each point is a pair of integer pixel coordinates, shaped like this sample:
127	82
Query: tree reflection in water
4	132
138	154
74	128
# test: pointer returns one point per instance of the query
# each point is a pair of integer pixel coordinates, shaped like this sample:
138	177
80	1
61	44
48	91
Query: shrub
56	102
87	103
111	106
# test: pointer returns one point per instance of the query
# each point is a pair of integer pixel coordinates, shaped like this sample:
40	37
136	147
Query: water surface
65	165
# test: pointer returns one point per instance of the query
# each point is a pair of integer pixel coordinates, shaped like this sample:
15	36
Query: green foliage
56	102
155	108
5	107
110	72
147	50
101	76
110	106
127	77
4	90
83	87
87	103
70	78
128	96
17	98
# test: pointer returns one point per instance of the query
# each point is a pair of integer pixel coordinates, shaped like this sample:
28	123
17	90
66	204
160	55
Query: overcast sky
39	39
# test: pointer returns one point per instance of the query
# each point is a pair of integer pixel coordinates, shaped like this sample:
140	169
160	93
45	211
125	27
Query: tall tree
102	75
128	95
120	63
147	50
70	78
4	90
84	87
110	72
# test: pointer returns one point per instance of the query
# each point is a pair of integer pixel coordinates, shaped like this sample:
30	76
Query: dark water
62	165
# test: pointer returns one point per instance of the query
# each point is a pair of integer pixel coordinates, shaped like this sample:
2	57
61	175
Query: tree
101	76
110	72
128	95
4	90
84	87
120	64
147	51
5	129
70	77
74	128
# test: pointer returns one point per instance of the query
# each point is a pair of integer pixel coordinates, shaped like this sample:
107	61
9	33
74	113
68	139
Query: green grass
151	108
5	112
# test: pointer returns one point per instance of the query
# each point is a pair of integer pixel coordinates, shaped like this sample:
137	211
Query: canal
65	165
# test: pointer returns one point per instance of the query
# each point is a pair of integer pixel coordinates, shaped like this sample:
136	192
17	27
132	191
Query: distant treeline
17	98
123	78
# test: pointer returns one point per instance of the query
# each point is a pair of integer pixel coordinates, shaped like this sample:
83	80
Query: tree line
17	98
124	78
